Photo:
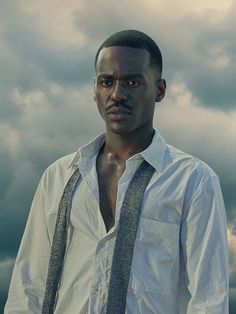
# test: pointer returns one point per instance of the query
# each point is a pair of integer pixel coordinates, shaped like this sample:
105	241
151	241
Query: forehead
123	59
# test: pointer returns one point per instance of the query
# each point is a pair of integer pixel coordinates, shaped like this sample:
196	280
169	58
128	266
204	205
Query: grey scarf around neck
125	239
56	260
124	244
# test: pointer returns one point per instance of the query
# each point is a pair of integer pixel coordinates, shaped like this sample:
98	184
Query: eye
134	83
105	82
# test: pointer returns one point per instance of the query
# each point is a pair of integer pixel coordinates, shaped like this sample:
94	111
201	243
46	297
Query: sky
47	110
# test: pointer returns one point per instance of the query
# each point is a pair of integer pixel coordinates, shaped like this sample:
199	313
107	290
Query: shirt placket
104	252
101	274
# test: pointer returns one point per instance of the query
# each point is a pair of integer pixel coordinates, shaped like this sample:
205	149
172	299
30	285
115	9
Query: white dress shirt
180	261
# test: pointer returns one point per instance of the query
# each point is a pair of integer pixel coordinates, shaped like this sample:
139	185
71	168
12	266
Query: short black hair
135	39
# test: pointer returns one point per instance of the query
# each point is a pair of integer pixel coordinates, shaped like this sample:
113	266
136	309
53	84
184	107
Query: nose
119	92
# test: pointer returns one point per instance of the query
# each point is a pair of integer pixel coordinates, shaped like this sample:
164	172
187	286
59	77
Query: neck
121	147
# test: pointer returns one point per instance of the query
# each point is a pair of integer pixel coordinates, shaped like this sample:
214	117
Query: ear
160	89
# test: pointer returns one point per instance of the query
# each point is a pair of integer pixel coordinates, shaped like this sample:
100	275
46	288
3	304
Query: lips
118	113
118	110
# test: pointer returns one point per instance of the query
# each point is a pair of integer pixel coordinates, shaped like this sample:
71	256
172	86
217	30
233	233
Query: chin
119	129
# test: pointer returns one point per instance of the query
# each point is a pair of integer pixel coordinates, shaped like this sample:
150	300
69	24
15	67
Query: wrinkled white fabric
180	262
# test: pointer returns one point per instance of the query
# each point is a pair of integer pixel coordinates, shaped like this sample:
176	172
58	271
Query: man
90	247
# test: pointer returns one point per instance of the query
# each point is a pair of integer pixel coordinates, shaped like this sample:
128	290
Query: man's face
126	89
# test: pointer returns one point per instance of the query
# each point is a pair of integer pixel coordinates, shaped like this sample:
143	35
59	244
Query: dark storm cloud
212	69
17	182
228	189
102	22
7	170
39	57
9	111
204	50
69	66
205	62
14	207
47	108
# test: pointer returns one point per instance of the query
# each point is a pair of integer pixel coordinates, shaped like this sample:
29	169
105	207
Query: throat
108	174
119	147
107	203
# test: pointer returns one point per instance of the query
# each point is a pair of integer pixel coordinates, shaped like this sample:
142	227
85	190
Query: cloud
201	36
38	53
6	266
47	52
202	40
211	73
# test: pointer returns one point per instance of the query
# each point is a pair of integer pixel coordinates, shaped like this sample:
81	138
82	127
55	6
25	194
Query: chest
108	178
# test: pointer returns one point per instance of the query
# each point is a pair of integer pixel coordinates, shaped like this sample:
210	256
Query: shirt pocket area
156	257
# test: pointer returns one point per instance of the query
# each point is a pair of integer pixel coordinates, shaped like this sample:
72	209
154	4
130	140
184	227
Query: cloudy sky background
47	110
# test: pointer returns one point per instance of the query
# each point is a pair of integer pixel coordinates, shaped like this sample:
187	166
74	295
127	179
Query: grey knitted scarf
59	245
124	244
125	239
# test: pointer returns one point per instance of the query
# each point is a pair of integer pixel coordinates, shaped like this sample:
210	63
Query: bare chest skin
109	173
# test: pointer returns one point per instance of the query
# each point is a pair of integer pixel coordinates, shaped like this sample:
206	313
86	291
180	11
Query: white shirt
180	261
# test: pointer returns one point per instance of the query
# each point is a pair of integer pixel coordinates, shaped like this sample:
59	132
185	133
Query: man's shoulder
64	162
187	161
60	170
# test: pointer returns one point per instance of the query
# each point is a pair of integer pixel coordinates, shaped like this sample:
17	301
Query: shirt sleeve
29	275
205	248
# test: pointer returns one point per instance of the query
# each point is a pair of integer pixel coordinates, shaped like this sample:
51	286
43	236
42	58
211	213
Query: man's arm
205	249
30	270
